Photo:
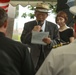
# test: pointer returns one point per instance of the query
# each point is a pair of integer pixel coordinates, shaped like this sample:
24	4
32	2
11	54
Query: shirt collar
43	26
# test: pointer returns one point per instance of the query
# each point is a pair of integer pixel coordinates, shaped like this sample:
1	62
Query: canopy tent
31	2
12	3
5	3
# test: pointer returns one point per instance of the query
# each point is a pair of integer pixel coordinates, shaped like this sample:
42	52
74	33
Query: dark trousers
41	58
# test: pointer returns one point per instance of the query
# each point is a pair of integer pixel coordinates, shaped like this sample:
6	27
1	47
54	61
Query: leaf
24	15
31	15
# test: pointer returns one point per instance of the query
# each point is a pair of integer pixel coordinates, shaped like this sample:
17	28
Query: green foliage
17	11
16	37
24	15
31	7
53	8
31	15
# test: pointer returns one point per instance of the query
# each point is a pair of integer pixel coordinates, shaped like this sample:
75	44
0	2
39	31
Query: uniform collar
2	34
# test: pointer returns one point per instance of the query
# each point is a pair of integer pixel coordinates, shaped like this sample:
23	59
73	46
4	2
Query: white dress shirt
43	26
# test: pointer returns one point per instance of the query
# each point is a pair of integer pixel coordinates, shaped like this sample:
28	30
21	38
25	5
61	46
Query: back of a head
3	16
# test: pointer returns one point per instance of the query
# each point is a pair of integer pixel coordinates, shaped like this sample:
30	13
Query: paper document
38	36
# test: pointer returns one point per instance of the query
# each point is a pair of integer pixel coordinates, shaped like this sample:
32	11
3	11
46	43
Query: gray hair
3	16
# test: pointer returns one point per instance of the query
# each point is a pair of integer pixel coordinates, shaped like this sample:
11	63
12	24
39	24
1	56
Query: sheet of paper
38	36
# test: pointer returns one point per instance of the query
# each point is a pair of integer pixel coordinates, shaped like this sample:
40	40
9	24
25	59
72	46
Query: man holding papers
40	26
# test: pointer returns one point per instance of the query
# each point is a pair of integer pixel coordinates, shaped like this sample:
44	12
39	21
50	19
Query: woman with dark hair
66	33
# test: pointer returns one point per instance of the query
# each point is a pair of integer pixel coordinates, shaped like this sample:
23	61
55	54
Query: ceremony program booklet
38	36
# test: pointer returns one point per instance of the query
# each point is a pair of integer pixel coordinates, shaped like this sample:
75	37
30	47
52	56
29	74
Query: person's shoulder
51	23
18	43
20	46
70	29
29	22
66	49
15	43
32	23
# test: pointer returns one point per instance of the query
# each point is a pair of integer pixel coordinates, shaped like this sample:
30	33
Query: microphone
40	23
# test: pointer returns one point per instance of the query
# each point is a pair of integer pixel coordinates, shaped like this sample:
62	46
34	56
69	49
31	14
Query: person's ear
5	24
46	15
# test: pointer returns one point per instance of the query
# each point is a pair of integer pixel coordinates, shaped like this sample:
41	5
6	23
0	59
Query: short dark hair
62	14
3	16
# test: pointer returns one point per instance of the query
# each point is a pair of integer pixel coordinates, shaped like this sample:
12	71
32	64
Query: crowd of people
42	59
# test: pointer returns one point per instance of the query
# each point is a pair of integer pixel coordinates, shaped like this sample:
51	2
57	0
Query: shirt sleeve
26	34
71	33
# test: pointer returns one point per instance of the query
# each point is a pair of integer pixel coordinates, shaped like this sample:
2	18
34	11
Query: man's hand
37	28
47	40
